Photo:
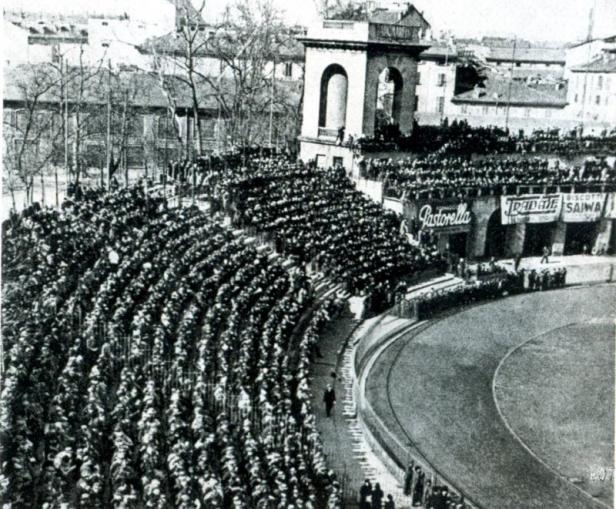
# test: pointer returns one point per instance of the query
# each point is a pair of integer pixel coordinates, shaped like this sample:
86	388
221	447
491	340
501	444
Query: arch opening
333	98
388	102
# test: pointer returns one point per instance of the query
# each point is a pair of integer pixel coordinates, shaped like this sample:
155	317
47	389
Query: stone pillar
477	241
514	244
558	238
602	244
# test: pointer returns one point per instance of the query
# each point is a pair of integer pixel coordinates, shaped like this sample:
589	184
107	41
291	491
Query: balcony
396	33
363	32
328	132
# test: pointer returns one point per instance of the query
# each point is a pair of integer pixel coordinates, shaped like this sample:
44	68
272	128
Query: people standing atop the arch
340	138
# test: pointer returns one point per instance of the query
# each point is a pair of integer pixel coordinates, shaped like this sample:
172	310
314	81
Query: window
575	99
208	127
165	156
418	78
598	99
321	158
165	127
600	82
464	109
134	156
338	162
441	79
440	104
484	110
288	69
134	126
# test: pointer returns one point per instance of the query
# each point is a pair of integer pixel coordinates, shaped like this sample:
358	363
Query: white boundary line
510	429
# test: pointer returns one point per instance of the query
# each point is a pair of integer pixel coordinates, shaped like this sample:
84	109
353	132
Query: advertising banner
582	207
610	206
445	218
530	208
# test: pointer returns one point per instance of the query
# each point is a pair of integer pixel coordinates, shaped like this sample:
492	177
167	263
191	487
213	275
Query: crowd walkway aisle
347	453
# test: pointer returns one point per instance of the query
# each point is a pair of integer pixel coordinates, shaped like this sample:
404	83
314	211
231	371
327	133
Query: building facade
346	62
592	93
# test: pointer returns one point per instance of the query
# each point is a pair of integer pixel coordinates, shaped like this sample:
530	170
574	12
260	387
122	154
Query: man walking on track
329	398
546	253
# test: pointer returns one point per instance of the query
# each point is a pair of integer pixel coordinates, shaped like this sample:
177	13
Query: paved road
439	393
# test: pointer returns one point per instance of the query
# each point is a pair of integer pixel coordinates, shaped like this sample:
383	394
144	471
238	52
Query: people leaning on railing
500	284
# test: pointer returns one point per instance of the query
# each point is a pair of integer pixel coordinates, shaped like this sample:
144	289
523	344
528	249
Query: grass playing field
555	392
435	389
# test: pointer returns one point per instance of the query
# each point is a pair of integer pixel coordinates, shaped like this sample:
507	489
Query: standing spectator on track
418	491
546	254
377	496
408	479
364	492
389	503
329	398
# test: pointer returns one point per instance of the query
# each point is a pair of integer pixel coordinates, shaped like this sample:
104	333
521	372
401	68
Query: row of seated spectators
319	218
455	176
460	138
214	164
147	356
438	301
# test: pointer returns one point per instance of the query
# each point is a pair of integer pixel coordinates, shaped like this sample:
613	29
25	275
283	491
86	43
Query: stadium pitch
512	401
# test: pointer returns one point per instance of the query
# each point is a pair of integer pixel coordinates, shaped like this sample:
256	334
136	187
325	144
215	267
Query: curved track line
511	430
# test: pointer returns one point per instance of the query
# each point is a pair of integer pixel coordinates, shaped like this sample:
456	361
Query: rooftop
498	91
534	55
145	89
439	51
606	63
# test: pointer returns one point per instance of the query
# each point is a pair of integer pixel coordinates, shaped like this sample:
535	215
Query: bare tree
30	133
247	46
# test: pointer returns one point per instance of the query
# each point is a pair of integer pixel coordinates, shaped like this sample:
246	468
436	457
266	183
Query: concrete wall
311	149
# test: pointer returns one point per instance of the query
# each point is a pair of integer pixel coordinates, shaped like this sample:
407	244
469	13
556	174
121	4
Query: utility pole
271	112
108	134
515	41
67	170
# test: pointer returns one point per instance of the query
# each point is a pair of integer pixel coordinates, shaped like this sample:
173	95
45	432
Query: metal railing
338	25
328	132
389	32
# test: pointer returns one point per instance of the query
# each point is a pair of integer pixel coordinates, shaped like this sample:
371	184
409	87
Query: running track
435	388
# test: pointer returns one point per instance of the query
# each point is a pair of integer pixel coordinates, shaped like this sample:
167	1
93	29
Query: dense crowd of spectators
458	137
147	355
500	283
459	176
319	218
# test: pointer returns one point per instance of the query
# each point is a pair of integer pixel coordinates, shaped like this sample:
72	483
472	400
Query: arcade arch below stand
454	242
389	98
496	236
579	235
536	237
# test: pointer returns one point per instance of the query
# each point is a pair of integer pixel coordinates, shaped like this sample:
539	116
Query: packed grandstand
158	350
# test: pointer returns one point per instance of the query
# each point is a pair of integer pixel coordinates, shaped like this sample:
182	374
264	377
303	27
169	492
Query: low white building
592	93
436	83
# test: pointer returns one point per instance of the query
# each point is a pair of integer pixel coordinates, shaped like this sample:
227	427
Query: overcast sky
562	20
